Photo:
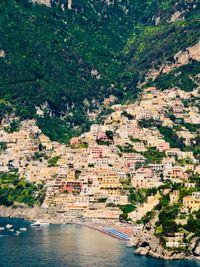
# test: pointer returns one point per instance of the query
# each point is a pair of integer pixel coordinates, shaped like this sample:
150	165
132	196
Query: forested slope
98	48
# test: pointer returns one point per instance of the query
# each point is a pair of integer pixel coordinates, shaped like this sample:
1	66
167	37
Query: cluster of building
89	177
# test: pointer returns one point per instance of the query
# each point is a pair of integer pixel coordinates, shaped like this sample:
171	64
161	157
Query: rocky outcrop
44	2
31	214
142	251
196	250
2	54
148	244
181	58
69	5
192	52
50	2
178	15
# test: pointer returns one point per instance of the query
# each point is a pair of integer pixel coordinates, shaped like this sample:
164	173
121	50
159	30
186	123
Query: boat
2	228
38	223
38	229
35	224
17	233
23	229
44	223
9	226
11	230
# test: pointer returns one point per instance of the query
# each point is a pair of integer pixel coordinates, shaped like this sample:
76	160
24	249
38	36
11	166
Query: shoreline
37	213
100	229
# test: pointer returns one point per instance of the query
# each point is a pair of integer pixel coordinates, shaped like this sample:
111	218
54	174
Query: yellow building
192	203
45	142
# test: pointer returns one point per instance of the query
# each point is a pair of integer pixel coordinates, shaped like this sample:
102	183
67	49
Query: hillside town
142	161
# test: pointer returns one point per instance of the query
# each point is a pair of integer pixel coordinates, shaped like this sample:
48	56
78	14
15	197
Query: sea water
70	246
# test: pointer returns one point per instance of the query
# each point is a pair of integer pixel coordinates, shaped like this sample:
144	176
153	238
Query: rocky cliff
32	214
147	243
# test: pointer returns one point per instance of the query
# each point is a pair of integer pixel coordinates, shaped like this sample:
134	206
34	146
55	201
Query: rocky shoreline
145	242
35	213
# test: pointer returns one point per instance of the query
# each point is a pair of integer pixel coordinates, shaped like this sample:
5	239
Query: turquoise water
70	245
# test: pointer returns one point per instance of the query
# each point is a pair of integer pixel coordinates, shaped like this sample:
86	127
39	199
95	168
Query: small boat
9	226
17	233
11	230
38	229
38	223
44	223
23	229
2	228
35	224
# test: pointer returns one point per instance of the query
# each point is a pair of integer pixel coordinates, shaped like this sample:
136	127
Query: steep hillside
67	61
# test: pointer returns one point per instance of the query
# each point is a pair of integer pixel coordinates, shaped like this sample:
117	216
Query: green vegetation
134	140
109	135
152	155
128	148
183	77
15	191
126	209
148	123
183	162
53	161
83	145
195	178
171	137
56	128
164	202
129	116
193	224
50	55
191	127
140	195
101	200
3	146
167	218
13	127
102	142
147	217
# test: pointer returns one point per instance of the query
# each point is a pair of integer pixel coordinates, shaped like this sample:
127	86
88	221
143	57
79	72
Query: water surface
70	246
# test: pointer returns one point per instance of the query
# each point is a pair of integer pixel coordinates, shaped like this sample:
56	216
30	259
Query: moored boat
39	223
35	224
23	229
38	229
44	223
9	226
17	233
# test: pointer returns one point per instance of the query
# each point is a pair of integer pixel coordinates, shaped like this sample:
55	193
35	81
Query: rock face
194	52
148	244
44	2
141	251
176	16
69	5
180	59
2	54
197	249
50	2
35	213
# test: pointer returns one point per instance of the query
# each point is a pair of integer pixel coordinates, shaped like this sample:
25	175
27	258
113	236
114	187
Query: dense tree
60	59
